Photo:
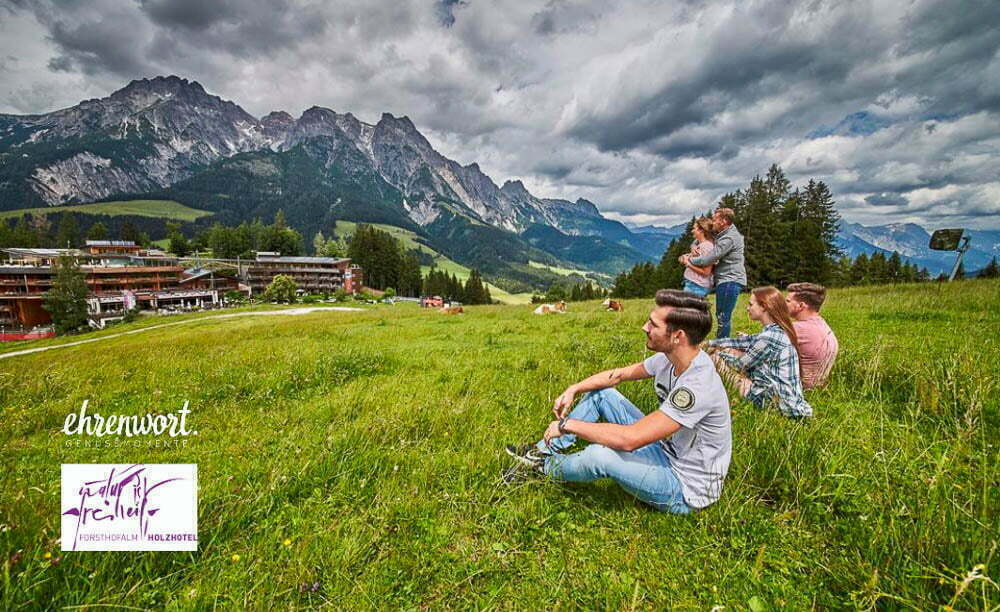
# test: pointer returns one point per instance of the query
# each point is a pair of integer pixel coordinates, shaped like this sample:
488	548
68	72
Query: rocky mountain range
911	242
167	137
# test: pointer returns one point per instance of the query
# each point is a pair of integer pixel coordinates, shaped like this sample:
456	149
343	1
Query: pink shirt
700	248
817	350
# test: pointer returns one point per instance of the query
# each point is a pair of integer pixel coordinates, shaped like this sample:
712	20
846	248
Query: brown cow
613	305
557	308
452	310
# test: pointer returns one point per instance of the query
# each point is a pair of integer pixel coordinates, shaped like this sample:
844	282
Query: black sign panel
946	239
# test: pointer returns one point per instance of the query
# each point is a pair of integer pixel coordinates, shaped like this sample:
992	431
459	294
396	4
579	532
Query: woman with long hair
698	279
765	366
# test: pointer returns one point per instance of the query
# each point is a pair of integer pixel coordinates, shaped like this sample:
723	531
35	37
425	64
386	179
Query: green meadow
361	453
167	209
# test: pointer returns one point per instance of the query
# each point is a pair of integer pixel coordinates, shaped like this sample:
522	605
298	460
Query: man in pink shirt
817	345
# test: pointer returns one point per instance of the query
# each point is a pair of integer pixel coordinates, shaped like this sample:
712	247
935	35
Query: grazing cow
613	305
452	310
557	308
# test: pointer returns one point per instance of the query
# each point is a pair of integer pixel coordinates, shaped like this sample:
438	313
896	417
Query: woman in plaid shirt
765	366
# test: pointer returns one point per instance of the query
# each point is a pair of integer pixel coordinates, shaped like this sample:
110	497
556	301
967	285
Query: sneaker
527	454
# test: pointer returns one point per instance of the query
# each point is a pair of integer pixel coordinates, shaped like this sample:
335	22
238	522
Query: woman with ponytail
765	366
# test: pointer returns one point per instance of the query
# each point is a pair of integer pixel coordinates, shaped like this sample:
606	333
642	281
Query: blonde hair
707	227
726	213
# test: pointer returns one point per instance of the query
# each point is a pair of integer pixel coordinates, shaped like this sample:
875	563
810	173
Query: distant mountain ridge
911	242
168	137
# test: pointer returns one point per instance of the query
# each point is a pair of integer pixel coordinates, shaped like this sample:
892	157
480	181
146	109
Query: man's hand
551	432
563	403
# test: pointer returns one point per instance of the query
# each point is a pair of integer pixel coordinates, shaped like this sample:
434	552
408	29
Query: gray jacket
727	257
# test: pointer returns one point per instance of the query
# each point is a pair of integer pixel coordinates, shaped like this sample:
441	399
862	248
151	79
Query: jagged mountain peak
277	116
147	91
516	190
403	121
588	207
318	113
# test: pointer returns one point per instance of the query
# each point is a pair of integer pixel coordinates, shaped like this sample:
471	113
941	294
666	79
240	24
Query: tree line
70	230
576	292
790	236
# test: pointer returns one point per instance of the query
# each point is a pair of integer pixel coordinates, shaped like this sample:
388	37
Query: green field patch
558	270
165	209
362	452
410	242
923	317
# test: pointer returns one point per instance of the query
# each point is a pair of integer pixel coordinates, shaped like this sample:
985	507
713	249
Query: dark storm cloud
648	108
190	14
246	28
756	56
886	199
731	72
111	43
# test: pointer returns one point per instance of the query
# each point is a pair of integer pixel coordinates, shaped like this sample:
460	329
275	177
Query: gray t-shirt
701	449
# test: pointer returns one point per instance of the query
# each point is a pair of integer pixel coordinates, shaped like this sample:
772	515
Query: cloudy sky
650	109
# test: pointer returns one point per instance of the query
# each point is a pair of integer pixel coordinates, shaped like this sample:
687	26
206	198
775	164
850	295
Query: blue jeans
695	288
645	473
726	295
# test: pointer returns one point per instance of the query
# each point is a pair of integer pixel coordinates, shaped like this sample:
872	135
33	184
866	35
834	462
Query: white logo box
145	506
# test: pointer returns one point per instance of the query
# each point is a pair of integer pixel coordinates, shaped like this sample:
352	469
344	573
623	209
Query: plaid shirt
772	364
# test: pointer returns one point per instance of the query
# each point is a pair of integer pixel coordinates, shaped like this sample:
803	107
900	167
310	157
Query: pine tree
992	270
129	232
878	269
860	274
179	244
475	292
25	235
66	301
97	231
894	268
69	232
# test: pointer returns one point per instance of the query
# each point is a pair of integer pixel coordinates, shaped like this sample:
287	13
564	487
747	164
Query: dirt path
288	311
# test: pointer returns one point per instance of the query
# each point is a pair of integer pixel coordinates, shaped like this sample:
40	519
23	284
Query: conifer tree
992	270
97	231
894	268
66	301
69	232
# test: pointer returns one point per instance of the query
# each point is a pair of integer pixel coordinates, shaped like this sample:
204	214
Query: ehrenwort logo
129	507
129	425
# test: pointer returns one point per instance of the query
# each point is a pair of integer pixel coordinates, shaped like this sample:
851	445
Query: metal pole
961	253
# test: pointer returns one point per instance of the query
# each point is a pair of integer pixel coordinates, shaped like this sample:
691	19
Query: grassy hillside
363	451
166	209
409	241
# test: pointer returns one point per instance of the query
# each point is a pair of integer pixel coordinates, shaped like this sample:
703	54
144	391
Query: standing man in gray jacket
730	273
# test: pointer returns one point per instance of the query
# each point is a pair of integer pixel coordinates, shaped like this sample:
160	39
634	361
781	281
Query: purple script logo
129	507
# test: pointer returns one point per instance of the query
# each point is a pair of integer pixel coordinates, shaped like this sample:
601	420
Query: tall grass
372	442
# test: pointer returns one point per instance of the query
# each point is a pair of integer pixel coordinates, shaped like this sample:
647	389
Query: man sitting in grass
675	458
817	345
